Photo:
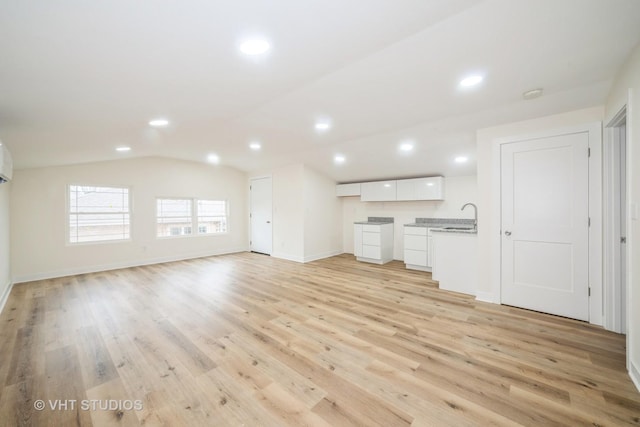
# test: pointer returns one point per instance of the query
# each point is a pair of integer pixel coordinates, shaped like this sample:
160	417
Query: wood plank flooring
249	340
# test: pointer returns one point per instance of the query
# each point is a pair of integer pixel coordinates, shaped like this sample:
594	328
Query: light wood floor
250	340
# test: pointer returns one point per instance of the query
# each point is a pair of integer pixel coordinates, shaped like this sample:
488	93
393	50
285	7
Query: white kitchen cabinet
343	190
416	246
373	242
381	191
420	189
455	261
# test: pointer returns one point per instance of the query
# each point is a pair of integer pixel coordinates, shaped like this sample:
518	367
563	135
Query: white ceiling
79	78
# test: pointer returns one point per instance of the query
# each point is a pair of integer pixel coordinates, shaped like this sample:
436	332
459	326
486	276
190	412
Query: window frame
68	214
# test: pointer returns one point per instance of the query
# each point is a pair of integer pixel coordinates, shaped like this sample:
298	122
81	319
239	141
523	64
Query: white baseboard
288	257
324	255
486	297
634	373
117	265
5	295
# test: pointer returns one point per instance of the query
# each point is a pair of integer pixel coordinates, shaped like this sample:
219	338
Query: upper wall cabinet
395	190
381	191
348	189
420	189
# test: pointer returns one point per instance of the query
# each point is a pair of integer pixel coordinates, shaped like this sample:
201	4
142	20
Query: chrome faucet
475	214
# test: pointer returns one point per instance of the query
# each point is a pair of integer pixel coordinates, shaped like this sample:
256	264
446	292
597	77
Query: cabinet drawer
371	252
415	257
415	231
371	228
370	238
417	243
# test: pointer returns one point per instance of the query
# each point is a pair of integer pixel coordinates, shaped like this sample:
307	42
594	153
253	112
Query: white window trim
67	229
195	229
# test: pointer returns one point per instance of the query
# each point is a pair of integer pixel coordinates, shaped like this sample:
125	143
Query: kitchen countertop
376	220
465	231
439	224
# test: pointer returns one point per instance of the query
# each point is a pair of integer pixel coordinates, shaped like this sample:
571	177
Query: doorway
261	215
615	220
545	224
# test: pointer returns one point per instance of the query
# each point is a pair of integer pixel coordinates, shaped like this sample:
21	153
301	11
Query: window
180	217
98	214
212	216
174	217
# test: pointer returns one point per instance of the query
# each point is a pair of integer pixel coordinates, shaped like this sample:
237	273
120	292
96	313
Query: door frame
249	202
594	130
612	283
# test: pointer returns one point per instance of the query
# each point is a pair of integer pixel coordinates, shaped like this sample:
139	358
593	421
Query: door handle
507	233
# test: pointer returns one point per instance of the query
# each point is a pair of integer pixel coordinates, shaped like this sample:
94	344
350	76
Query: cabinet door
373	252
348	190
420	188
429	251
429	188
416	243
382	191
406	189
415	257
369	238
357	240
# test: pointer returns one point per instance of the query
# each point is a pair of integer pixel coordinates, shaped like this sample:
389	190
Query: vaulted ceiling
80	78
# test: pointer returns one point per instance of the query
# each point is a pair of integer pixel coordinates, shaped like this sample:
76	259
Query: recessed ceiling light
339	158
123	149
532	94
159	122
254	46
406	146
323	126
471	80
213	158
387	185
255	146
461	159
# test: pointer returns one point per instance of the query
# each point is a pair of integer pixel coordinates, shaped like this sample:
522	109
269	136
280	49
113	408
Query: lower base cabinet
373	243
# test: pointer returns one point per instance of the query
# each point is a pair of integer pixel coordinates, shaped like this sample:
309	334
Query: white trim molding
5	295
594	130
634	373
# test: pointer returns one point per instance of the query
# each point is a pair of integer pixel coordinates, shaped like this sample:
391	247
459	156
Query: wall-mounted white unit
343	190
381	191
431	188
420	189
6	164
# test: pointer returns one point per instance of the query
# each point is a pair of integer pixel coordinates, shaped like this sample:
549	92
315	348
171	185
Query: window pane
174	217
98	214
212	216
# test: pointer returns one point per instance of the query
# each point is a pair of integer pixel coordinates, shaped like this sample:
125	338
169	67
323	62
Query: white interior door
545	224
261	216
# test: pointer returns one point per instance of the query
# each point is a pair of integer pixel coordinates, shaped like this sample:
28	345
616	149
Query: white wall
5	254
288	212
626	90
307	215
322	217
458	191
38	212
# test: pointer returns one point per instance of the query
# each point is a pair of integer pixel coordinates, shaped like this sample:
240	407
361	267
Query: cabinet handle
268	222
507	233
